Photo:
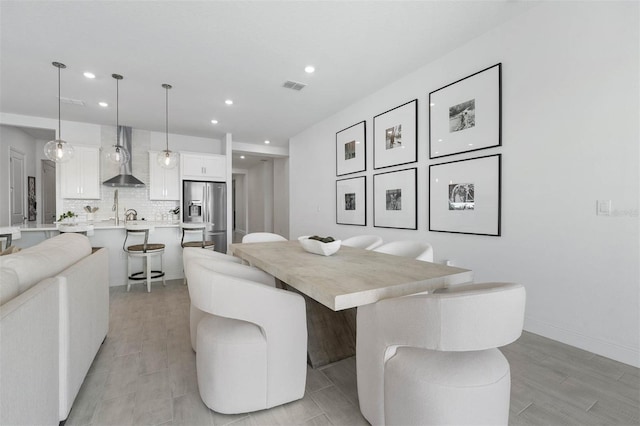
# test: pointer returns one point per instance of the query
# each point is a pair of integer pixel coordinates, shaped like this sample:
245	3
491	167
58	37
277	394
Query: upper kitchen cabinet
164	184
203	166
80	176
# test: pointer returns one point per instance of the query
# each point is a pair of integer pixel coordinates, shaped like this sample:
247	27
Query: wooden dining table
334	286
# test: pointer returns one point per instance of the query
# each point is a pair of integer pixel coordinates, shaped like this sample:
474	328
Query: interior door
48	191
17	187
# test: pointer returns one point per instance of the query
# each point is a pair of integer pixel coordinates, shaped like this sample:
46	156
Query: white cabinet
164	184
80	176
203	166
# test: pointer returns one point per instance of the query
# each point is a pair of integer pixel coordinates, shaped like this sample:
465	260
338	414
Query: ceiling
210	51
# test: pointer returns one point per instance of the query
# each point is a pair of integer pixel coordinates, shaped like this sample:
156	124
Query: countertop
97	225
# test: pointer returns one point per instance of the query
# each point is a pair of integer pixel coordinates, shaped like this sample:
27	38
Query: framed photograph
466	115
31	197
351	149
351	201
395	136
395	199
465	196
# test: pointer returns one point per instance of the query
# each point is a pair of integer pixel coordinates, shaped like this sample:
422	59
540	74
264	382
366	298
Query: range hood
125	179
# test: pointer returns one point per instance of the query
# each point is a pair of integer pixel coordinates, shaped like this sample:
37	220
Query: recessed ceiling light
242	157
309	69
103	104
214	121
89	75
267	142
228	102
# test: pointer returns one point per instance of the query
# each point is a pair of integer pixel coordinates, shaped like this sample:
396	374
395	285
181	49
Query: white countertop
97	225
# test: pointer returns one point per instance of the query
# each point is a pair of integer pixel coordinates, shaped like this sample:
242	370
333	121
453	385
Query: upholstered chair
415	249
262	237
223	264
367	242
252	347
432	358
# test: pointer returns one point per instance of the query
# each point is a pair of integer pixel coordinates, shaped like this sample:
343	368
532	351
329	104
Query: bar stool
195	228
145	251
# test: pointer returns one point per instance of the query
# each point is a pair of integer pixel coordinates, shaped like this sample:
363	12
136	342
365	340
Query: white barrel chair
223	264
262	237
367	242
252	347
432	358
415	249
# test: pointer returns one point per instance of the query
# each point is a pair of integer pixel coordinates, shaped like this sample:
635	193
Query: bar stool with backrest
146	251
199	229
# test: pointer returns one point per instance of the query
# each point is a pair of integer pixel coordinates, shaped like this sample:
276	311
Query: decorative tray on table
317	245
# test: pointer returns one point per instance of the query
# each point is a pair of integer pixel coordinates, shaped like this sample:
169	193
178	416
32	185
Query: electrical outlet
604	208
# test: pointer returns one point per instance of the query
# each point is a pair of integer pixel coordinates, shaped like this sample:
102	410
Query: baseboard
615	351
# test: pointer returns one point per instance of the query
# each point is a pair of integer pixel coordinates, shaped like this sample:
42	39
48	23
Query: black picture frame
466	115
465	196
395	136
31	198
395	199
351	149
351	201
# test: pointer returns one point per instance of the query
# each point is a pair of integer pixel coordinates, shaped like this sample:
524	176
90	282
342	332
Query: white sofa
54	315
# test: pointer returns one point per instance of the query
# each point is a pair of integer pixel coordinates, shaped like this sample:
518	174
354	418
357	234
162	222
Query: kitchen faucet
115	206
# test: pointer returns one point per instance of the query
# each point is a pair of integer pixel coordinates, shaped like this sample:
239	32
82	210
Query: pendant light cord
59	121
167	114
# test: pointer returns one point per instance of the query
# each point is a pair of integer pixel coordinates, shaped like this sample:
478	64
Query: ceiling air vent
71	101
295	85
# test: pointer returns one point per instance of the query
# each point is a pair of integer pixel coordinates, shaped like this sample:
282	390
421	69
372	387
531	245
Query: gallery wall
570	132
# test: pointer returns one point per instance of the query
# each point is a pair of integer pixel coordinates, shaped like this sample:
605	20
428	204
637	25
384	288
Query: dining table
334	286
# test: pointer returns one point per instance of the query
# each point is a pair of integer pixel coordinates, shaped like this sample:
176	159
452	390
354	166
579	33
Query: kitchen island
108	234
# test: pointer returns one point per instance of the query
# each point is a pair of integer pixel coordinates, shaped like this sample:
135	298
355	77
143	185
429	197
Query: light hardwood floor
145	374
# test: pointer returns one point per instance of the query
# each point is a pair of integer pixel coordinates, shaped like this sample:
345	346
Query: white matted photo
351	201
395	199
466	115
351	149
395	136
465	196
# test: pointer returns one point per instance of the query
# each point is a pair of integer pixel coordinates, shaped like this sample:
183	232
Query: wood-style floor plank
145	373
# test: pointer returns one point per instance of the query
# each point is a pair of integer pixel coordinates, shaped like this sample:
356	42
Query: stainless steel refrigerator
206	202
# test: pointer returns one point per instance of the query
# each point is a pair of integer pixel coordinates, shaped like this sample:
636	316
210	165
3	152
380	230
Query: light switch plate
604	208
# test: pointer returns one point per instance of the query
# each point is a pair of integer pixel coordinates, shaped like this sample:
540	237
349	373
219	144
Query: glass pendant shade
118	154
58	150
167	158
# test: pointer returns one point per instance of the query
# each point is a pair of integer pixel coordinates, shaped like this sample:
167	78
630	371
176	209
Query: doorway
17	188
48	173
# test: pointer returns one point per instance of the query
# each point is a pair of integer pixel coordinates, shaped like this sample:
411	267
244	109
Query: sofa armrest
84	321
29	356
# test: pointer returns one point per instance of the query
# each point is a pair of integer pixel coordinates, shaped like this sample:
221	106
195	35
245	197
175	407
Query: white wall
281	196
570	135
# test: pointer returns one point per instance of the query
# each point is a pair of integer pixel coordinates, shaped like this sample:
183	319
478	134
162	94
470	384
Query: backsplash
128	198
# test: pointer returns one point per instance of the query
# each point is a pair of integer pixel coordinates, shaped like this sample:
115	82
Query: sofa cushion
8	285
46	259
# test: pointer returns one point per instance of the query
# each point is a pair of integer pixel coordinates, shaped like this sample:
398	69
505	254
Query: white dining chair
431	359
224	264
262	237
252	346
367	242
415	249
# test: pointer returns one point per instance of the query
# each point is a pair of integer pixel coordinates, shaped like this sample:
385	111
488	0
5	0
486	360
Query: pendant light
167	158
58	150
118	154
